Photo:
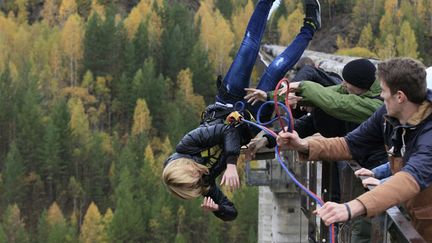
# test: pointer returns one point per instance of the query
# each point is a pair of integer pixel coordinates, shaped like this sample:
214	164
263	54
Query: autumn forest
95	94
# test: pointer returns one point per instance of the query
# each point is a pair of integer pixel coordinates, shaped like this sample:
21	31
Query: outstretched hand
293	99
254	145
363	172
255	95
332	212
370	181
209	205
230	178
292	141
294	86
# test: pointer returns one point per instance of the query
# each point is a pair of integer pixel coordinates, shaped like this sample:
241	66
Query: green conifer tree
225	7
60	118
3	237
29	128
127	224
141	46
13	177
204	80
8	107
92	59
51	159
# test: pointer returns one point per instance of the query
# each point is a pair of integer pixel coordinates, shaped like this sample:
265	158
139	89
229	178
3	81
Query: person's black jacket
317	75
221	143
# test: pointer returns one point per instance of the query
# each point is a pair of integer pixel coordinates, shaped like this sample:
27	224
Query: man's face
351	89
390	101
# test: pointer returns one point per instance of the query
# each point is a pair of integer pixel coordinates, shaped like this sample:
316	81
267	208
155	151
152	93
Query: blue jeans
239	73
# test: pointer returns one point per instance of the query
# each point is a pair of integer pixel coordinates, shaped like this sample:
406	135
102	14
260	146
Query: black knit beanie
360	73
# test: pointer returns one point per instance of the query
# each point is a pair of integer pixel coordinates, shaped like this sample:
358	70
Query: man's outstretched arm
315	147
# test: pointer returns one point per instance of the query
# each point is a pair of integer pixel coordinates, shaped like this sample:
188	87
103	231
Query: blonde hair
183	178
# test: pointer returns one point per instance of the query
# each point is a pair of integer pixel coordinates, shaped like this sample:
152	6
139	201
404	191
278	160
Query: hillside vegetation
94	95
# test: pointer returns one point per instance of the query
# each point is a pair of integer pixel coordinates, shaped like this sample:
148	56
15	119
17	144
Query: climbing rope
288	121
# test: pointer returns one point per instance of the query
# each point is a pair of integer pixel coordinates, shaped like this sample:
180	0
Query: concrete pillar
280	219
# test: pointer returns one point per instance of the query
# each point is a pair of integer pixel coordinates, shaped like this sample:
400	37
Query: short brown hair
183	178
404	74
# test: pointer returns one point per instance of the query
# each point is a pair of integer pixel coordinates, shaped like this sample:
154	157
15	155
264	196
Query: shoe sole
319	8
317	3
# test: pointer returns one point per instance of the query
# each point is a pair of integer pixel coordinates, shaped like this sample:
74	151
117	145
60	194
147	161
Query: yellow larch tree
291	5
421	10
132	22
215	35
67	8
185	87
88	81
388	49
8	29
79	93
72	42
21	48
22	11
106	221
366	37
13	224
388	22
141	118
341	42
54	215
406	43
240	20
49	12
148	153
145	12
79	121
155	166
97	8
106	144
15	39
39	55
92	227
290	26
55	62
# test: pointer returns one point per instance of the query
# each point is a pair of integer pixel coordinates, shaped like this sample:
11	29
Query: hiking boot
313	13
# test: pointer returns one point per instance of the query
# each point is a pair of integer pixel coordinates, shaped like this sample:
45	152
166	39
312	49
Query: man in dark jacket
403	128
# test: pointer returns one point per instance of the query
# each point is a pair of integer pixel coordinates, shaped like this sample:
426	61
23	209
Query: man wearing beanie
339	109
354	100
359	76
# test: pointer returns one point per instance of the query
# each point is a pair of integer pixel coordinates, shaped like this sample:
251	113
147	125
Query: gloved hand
234	118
